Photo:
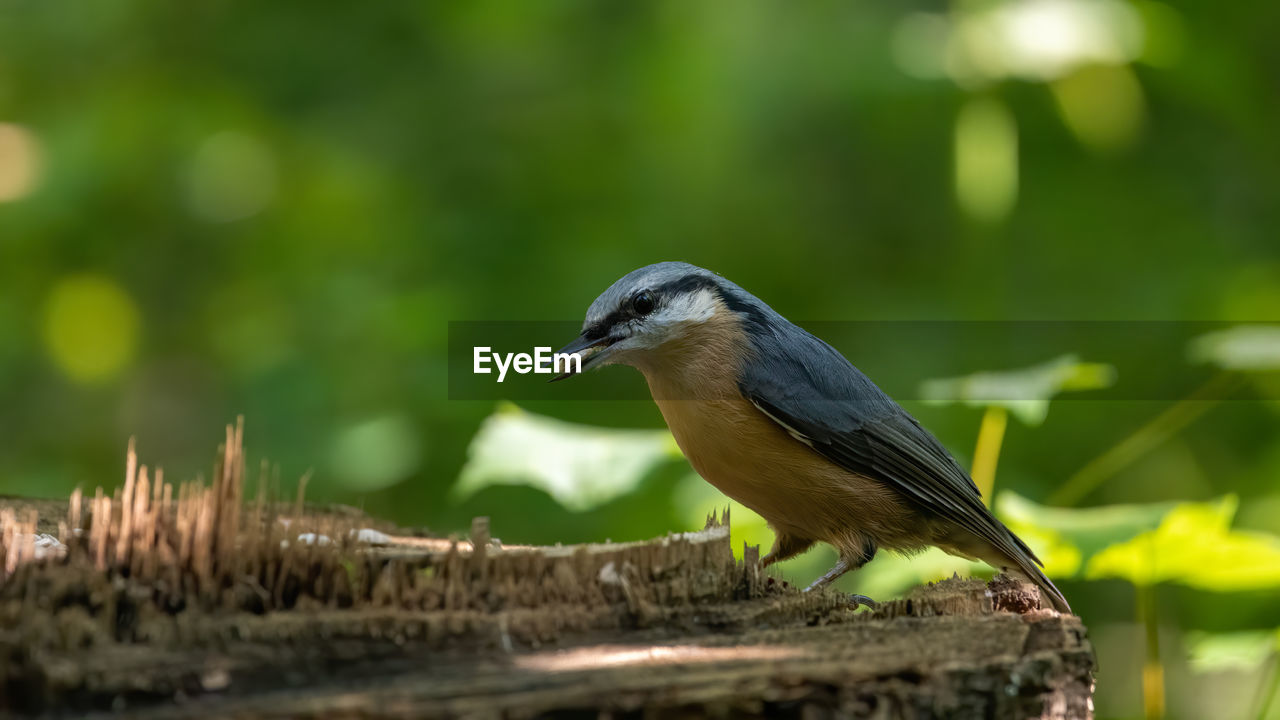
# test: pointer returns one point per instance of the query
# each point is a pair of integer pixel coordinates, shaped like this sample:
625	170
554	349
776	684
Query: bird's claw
856	600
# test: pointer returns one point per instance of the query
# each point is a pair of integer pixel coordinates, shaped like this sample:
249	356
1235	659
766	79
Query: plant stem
1156	431
1152	669
986	454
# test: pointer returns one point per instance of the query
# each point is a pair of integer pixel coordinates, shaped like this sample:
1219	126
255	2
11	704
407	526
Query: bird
780	421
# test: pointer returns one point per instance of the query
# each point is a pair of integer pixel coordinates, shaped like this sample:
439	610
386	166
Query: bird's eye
642	303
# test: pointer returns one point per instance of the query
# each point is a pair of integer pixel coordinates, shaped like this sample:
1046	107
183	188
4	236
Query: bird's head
655	309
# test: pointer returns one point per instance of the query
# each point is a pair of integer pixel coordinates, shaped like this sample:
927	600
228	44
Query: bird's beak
586	348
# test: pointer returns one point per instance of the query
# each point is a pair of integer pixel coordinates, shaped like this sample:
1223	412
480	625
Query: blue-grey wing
810	389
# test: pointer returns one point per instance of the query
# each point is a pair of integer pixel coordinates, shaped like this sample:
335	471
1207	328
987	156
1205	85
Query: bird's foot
841	567
856	600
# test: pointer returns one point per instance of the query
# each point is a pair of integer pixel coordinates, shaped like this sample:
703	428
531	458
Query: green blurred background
275	209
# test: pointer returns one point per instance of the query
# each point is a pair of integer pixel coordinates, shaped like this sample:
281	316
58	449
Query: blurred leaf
1190	543
889	574
1024	392
694	499
1216	652
1195	546
581	466
1060	556
376	453
1245	347
1089	530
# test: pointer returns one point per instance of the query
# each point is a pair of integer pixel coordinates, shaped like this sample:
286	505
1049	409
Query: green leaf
889	575
1189	543
694	499
1060	556
1088	530
1195	546
1025	392
1247	650
580	466
1244	347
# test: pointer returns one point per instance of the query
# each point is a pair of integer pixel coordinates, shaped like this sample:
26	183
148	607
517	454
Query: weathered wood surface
207	606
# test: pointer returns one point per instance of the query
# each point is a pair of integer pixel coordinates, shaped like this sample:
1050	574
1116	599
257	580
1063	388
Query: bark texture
191	602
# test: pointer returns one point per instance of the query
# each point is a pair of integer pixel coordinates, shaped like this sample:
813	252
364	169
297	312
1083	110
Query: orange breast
752	459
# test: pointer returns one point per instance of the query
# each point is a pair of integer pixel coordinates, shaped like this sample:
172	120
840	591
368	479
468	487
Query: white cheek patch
694	307
676	313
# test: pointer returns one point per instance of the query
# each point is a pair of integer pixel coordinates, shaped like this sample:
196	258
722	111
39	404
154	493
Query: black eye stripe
626	310
687	284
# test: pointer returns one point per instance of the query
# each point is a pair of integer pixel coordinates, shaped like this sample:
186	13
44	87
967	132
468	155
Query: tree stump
194	603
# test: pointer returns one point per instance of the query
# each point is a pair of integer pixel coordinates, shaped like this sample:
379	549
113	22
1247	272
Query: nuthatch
781	422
